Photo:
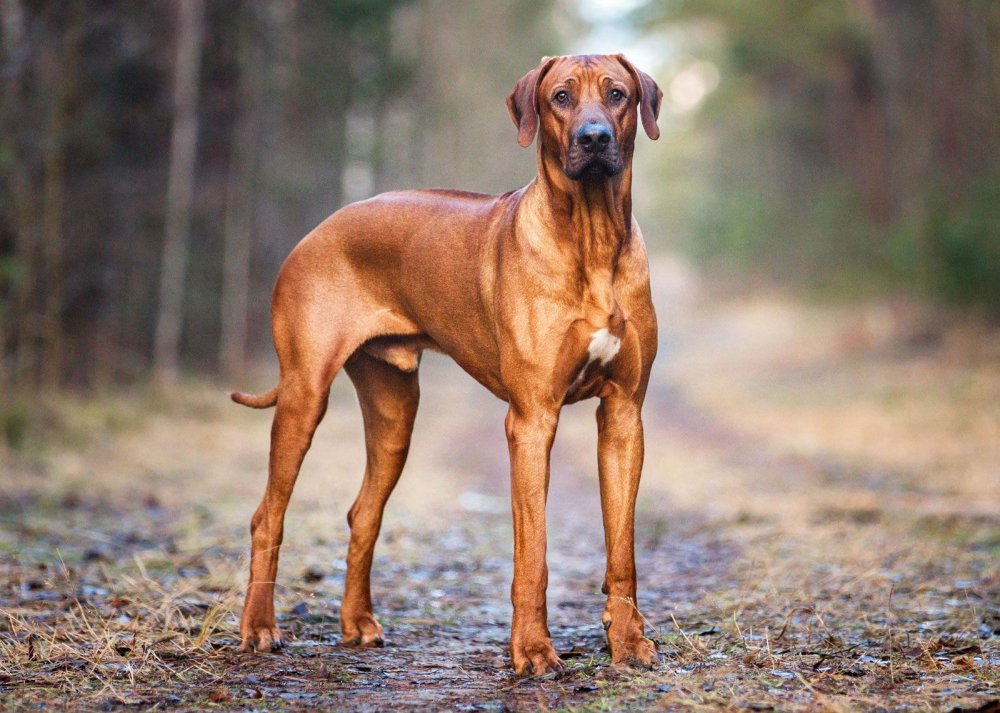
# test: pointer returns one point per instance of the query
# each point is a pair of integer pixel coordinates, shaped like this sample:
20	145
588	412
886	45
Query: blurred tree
462	136
256	120
180	188
850	137
40	88
15	270
59	65
255	29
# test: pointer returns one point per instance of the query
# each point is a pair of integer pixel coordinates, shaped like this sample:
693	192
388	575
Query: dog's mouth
599	165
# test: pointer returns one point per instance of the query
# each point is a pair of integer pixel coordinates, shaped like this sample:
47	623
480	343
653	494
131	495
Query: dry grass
818	530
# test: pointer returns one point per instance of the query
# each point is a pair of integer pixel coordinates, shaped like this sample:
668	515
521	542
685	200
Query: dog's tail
253	401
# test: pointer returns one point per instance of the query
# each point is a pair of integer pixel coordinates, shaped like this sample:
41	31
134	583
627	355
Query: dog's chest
602	348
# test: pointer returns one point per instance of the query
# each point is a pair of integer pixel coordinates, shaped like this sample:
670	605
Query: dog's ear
522	102
650	98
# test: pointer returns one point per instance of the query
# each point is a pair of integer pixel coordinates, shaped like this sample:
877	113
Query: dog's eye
561	97
616	95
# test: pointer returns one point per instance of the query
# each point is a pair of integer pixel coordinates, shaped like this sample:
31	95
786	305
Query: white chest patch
603	346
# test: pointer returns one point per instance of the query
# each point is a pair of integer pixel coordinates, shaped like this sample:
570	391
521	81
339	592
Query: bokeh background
155	169
818	522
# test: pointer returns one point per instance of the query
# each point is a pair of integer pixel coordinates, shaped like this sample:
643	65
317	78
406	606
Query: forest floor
818	528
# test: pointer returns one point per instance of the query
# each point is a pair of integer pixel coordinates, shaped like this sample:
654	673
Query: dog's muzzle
593	151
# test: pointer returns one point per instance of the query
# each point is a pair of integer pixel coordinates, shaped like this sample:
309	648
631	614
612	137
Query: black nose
593	137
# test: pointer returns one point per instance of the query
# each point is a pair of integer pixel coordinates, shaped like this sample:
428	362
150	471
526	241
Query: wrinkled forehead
581	72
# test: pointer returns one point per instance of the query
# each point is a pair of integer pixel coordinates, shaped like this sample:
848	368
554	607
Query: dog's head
584	109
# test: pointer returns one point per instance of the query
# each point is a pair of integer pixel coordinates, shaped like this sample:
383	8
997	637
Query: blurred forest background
158	160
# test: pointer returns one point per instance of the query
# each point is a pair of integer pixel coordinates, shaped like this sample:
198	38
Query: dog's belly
402	351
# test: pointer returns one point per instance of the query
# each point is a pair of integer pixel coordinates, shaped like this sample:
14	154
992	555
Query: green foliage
15	423
967	245
11	270
736	225
827	137
768	38
824	243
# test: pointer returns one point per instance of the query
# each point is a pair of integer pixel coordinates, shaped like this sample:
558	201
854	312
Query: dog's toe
535	659
262	639
362	630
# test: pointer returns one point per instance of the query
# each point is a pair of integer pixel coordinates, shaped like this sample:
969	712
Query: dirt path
785	561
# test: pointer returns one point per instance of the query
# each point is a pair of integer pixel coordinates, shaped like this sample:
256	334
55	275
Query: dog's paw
628	645
361	630
639	653
535	657
260	639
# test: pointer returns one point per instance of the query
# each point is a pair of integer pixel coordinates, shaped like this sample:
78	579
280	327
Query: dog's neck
592	216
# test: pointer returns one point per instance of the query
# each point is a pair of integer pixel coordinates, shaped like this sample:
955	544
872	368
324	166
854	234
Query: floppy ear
650	98
522	102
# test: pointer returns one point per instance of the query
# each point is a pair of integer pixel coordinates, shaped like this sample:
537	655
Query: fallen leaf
219	695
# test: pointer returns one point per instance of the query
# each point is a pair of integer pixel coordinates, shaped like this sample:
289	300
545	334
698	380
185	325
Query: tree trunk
240	203
60	74
380	110
17	321
180	189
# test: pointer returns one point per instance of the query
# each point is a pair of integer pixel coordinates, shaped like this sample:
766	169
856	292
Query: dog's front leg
530	432
619	457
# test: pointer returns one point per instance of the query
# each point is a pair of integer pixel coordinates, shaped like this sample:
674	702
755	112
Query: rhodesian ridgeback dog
541	294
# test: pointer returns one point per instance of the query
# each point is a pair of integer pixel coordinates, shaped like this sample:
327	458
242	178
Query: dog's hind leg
308	367
388	398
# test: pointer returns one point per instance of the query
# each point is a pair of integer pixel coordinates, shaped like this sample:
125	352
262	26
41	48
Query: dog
541	294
